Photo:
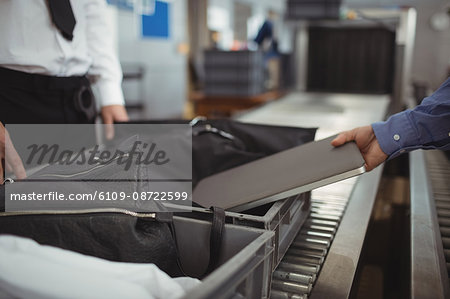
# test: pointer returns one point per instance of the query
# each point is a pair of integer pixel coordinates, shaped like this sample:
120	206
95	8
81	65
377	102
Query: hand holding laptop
367	143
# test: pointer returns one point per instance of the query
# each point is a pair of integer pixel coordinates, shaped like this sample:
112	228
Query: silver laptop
287	173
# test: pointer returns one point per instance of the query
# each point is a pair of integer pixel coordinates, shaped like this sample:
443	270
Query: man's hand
110	114
367	143
13	163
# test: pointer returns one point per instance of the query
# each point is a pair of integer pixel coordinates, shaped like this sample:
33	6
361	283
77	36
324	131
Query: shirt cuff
110	93
396	135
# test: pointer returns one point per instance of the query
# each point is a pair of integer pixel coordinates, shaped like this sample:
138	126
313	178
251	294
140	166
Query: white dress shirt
31	270
30	42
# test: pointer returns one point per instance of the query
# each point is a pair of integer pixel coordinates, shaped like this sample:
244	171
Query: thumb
339	140
344	137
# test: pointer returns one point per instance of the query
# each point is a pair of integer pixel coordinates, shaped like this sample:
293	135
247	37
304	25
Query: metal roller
447	254
326	217
292	276
296	288
442	204
307	239
445	231
325	205
444	222
313	221
446	242
301	269
307	252
309	245
326	212
443	213
275	294
305	260
318	234
326	209
327	229
441	197
340	203
329	197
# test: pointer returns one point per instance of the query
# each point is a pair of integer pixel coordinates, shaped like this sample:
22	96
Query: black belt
83	97
40	82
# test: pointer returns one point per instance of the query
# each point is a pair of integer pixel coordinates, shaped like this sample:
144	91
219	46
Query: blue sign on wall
122	4
157	24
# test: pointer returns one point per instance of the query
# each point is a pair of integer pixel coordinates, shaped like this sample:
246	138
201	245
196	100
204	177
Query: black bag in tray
121	235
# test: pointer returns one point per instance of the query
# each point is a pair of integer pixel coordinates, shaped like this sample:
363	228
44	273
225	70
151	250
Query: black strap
62	17
215	238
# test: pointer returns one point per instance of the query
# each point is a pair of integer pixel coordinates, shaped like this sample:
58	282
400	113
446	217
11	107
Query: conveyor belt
430	224
297	272
438	167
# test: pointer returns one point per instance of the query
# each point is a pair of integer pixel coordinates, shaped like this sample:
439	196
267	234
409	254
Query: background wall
163	88
432	48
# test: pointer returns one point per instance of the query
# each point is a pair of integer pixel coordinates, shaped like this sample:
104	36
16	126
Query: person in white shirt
31	43
50	53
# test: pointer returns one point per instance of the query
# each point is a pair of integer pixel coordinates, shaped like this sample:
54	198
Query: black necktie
62	16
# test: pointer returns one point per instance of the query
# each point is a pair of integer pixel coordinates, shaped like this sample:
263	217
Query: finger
109	127
8	167
1	173
13	160
122	116
109	131
18	170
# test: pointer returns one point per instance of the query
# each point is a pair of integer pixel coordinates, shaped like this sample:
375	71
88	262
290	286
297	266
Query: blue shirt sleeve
427	126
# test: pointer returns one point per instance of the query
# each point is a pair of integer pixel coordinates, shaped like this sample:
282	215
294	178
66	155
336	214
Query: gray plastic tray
284	218
243	59
246	260
234	73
